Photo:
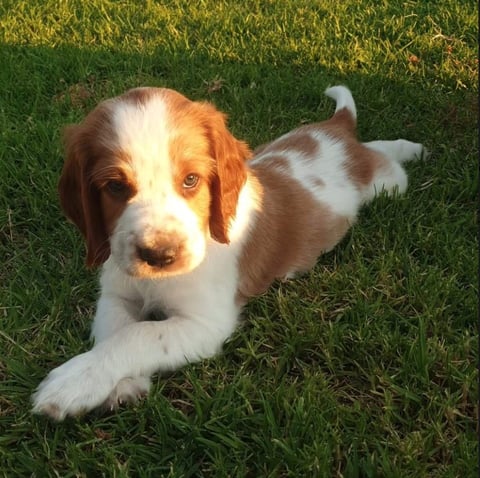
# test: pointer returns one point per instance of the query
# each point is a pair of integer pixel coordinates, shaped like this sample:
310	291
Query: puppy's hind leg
399	150
390	175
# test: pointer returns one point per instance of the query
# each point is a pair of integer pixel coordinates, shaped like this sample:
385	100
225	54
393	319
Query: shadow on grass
62	83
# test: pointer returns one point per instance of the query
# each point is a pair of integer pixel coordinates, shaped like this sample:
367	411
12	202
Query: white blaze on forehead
142	130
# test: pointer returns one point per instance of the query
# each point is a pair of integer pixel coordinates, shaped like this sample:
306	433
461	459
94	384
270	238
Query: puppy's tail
345	109
344	99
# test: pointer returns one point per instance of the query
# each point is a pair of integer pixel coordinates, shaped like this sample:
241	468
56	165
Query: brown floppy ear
229	176
80	199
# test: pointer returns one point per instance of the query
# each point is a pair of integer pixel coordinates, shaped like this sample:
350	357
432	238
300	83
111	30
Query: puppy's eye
117	188
190	181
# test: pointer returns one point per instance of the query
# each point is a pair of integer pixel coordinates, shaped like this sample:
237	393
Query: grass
366	366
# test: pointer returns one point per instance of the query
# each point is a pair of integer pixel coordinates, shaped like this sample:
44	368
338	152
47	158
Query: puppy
186	222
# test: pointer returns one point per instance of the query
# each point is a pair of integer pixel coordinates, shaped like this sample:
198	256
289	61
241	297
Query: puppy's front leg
113	313
137	349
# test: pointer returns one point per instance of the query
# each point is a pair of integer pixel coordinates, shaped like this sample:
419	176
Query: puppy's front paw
75	387
128	390
425	154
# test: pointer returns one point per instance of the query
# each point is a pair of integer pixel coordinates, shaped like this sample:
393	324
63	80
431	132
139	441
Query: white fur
201	304
393	178
343	99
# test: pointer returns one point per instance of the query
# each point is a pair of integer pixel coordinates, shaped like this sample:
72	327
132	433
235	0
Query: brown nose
157	257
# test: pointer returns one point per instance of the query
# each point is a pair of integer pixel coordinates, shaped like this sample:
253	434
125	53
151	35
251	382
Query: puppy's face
149	176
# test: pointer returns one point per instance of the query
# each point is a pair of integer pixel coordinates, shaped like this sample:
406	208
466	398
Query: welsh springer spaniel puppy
187	222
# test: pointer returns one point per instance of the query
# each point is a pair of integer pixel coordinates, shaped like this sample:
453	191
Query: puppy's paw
128	390
425	154
74	388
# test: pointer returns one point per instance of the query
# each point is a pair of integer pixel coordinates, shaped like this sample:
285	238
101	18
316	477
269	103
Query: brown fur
291	230
230	173
298	141
79	195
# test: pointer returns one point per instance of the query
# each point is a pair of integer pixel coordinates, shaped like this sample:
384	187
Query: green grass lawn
365	367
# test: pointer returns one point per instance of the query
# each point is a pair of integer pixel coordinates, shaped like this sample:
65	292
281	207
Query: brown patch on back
277	161
299	141
292	229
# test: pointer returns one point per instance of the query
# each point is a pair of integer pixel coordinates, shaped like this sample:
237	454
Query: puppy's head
148	176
